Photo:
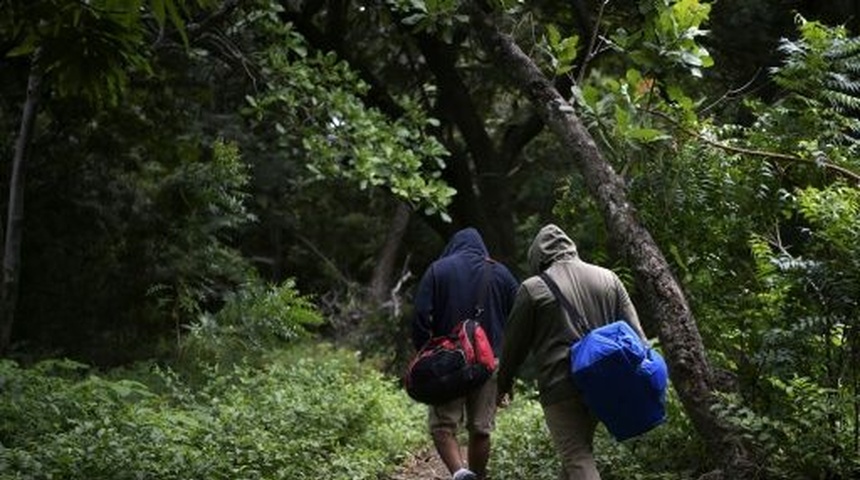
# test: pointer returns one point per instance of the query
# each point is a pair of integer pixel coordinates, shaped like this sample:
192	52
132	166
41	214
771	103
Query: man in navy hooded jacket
449	292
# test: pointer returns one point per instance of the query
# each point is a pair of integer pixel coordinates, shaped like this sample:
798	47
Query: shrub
799	436
311	409
255	319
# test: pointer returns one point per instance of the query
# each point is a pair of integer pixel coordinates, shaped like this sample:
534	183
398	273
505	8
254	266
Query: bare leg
479	454
449	449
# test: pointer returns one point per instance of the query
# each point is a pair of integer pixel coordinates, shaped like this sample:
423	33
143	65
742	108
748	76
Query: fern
843	83
823	64
845	49
841	101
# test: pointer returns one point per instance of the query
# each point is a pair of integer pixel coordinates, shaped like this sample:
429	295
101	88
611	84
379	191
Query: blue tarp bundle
622	381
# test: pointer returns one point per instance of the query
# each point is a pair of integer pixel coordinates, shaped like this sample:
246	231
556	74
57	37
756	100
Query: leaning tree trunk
15	218
690	371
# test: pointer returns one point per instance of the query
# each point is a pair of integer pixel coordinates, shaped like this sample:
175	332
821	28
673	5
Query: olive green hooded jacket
537	324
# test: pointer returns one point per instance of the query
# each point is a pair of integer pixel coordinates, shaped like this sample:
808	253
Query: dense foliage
212	186
257	402
144	191
307	411
755	219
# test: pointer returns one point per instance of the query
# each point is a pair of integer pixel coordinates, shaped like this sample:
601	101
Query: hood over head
466	240
550	245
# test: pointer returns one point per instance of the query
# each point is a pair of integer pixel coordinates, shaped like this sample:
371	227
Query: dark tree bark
691	373
15	216
496	222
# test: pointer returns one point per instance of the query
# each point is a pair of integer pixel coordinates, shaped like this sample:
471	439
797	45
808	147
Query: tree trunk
691	373
15	216
383	272
496	221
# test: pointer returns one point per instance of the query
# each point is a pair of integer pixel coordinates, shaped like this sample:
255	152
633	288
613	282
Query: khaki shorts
479	408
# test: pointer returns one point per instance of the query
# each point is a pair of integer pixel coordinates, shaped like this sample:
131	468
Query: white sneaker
464	474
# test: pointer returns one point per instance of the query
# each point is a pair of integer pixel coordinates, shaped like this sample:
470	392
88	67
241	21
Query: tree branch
335	271
783	157
377	96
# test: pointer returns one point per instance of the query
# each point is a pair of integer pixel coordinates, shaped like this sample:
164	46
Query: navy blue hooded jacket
450	289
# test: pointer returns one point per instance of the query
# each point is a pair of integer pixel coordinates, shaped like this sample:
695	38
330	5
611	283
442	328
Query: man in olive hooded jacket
537	325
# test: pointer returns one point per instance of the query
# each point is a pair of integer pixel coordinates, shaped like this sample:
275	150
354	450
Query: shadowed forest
215	214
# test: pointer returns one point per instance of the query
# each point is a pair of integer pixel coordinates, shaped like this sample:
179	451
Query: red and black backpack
450	366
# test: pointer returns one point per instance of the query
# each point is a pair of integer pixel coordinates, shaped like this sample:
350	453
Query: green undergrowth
294	413
304	410
291	413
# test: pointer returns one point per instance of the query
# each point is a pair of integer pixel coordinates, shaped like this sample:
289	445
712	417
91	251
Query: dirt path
424	465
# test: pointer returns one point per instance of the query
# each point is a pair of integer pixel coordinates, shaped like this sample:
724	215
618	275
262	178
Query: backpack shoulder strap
571	314
485	285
